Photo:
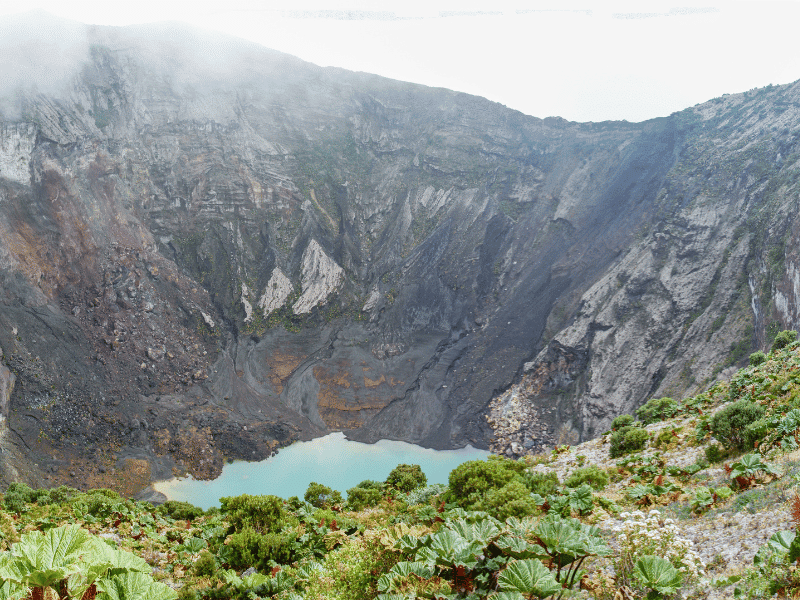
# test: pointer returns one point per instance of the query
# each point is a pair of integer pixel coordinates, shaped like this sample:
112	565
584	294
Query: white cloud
583	61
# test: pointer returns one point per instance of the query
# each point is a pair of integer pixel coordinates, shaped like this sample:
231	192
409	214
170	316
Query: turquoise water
331	460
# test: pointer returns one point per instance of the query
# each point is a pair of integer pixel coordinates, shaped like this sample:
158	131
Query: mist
44	54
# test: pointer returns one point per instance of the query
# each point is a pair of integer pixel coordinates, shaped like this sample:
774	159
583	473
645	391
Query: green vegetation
628	439
70	562
321	496
591	475
501	529
729	424
783	339
657	409
495	486
622	421
658	576
406	478
260	513
756	358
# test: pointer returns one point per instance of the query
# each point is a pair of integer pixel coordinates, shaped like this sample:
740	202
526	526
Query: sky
583	61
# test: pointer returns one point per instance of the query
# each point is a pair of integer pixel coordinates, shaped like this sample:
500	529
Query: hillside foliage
501	529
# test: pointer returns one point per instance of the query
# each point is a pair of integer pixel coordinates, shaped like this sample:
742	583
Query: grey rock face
273	251
7	379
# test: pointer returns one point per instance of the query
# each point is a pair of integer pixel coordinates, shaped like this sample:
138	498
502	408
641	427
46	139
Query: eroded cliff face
709	280
200	263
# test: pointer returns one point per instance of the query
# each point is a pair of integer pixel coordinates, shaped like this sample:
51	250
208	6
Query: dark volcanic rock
198	264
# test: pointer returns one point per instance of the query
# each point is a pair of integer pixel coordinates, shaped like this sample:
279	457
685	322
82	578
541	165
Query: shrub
657	409
756	358
470	481
626	440
351	571
757	431
41	497
622	421
187	594
62	493
205	565
715	453
369	484
543	484
321	496
592	475
98	503
729	424
260	513
359	498
248	548
277	547
424	495
241	550
667	438
511	500
783	339
405	478
178	510
17	496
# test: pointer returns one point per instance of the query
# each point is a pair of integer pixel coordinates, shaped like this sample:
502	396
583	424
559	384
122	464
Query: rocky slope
212	254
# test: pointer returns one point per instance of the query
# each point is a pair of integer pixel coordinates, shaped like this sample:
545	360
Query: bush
756	358
188	594
42	497
657	409
426	494
17	496
205	565
260	513
359	498
180	511
622	421
62	493
715	453
277	547
248	548
592	475
511	500
783	339
543	484
757	431
729	424
667	438
98	503
241	551
369	484
321	496
470	481
626	440
405	478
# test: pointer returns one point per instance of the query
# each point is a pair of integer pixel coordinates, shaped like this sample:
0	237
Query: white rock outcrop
372	299
278	290
248	308
209	321
16	146
321	277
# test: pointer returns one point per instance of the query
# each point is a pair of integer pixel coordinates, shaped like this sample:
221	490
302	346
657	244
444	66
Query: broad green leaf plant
68	560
